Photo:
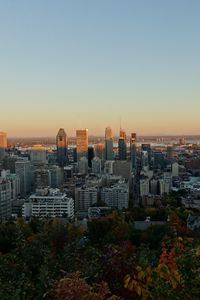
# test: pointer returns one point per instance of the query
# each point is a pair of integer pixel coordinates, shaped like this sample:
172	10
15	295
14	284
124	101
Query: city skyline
77	65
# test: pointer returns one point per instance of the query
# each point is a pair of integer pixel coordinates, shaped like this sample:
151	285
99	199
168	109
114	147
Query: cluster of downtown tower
105	152
73	179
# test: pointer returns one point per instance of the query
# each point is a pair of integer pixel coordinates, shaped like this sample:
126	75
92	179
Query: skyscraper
3	143
99	150
90	156
5	199
81	143
147	147
108	144
23	170
133	152
38	155
122	147
61	142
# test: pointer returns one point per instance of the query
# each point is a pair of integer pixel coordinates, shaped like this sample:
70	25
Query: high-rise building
170	154
122	147
122	168
175	169
122	134
56	176
83	166
5	199
133	153
81	143
14	181
61	143
90	156
42	178
96	165
3	143
23	169
9	163
99	150
38	155
147	147
109	155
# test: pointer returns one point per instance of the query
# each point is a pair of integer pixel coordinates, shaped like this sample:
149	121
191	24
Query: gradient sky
88	63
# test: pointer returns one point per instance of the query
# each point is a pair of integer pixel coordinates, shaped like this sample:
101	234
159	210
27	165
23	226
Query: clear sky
88	63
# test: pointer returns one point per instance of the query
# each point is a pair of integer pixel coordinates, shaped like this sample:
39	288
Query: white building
116	196
175	169
48	203
164	186
144	187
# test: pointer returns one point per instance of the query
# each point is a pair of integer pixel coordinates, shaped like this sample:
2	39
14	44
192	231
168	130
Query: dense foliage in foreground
47	259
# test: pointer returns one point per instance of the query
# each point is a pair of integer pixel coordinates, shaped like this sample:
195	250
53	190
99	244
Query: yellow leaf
127	280
141	275
198	251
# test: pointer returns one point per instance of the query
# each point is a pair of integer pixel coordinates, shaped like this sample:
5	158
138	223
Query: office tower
170	153
159	161
5	199
99	150
61	143
38	155
108	167
96	165
109	155
147	147
68	173
56	176
83	166
144	160
23	169
14	181
9	163
122	147
81	143
90	156
133	152
3	143
122	168
74	154
122	134
42	178
175	169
